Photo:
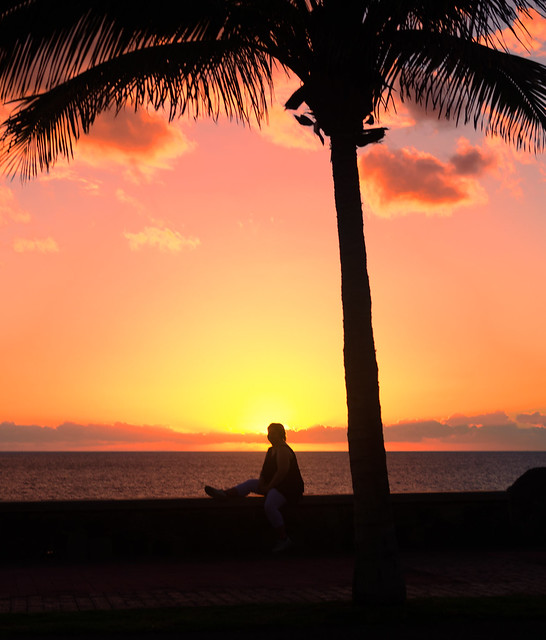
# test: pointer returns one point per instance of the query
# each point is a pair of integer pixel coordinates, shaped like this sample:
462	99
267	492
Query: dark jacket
291	485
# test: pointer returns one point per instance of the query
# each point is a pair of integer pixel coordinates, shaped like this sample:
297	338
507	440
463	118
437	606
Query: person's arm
283	465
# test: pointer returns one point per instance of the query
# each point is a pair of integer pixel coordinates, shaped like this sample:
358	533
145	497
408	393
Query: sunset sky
177	286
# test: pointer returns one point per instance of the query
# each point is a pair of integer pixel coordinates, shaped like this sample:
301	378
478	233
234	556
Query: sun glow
256	414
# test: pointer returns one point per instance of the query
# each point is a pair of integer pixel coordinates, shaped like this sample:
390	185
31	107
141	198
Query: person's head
276	433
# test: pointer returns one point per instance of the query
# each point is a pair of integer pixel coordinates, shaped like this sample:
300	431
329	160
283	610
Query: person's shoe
283	545
217	494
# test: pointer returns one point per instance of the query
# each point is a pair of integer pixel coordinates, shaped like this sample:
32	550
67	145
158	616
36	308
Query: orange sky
177	286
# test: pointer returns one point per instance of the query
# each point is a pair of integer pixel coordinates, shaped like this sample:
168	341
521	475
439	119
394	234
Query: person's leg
243	489
274	501
239	491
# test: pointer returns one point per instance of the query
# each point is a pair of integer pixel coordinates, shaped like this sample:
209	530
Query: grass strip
500	616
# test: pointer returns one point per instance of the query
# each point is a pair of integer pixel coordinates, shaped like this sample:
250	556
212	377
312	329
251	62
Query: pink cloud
71	436
487	419
531	39
471	160
491	431
318	434
535	419
141	142
399	181
413	114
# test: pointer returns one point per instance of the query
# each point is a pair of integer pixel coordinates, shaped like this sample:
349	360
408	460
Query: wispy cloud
10	210
162	239
64	172
129	200
282	128
39	245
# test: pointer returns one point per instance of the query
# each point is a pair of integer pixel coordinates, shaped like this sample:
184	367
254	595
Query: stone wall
92	530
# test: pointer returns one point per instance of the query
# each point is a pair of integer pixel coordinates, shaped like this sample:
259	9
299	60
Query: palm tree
66	61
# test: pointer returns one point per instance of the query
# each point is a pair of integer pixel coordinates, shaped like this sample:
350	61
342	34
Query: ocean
129	475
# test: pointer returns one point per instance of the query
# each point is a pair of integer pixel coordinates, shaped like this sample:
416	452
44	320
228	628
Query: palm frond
78	58
46	42
499	93
190	78
478	20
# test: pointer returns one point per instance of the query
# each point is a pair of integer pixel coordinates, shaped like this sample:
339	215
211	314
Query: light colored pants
274	501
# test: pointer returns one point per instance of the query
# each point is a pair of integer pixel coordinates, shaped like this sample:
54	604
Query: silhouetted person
280	482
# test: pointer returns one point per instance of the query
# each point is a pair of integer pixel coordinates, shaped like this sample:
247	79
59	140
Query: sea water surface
129	475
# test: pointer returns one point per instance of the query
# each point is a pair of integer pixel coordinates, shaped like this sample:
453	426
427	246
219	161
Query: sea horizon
106	475
264	449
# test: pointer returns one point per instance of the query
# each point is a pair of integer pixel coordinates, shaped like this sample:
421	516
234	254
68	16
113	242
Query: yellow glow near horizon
259	412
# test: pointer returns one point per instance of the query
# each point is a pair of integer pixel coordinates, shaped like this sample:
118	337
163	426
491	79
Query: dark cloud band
486	431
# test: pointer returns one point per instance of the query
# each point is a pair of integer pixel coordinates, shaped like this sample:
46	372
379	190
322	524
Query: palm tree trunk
377	576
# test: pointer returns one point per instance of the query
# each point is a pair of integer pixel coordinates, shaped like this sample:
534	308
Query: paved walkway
290	578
